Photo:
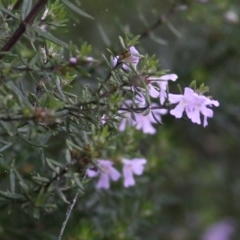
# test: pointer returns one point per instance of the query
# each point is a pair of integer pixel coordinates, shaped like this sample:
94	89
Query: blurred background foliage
192	178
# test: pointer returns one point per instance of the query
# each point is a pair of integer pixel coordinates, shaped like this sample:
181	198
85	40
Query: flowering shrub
141	113
77	121
135	94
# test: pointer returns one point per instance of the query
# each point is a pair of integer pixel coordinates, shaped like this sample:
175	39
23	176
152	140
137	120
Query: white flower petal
171	76
114	174
175	98
152	91
128	176
103	181
92	173
177	111
163	96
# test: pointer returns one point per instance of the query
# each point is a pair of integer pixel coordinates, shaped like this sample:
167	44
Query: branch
22	27
160	21
12	119
69	211
109	75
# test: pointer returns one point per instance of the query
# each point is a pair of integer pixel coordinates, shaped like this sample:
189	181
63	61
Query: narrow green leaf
76	9
12	181
54	103
78	126
133	116
11	195
59	88
173	29
51	166
40	179
26	204
62	196
9	127
24	187
72	145
19	94
133	41
26	7
193	84
30	143
45	137
21	181
50	37
61	113
104	35
70	94
122	42
155	118
107	61
5	147
34	60
158	39
77	181
49	206
55	163
68	156
3	9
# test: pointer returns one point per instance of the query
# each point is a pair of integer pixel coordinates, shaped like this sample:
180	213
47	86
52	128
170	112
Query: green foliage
39	105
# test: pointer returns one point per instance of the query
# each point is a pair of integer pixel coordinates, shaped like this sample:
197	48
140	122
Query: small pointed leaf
76	9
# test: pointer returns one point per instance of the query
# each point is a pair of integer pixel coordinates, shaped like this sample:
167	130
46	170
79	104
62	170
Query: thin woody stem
22	27
69	211
160	21
109	75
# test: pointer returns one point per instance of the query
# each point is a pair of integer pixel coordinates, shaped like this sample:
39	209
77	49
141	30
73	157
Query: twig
155	25
160	21
12	119
46	186
69	211
55	178
22	27
109	75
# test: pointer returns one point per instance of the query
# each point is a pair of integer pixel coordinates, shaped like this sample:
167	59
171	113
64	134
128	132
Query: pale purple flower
106	171
231	16
153	92
73	60
104	119
222	230
193	104
89	59
143	121
130	167
44	27
131	58
162	83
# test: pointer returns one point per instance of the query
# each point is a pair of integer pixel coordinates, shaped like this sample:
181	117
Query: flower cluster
107	172
193	104
142	121
142	115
